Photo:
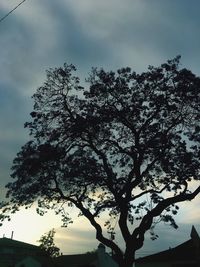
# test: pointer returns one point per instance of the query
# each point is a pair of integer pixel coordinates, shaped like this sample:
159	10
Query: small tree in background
47	243
127	145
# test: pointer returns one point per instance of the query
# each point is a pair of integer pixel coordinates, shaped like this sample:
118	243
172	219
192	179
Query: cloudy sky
111	34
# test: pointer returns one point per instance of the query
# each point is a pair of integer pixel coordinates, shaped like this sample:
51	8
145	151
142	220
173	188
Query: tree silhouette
128	145
47	244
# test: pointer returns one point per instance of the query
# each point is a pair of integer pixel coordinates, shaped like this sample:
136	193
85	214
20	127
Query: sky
43	34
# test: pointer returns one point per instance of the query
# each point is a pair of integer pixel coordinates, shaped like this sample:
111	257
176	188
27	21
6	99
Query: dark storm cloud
75	42
174	28
44	39
13	113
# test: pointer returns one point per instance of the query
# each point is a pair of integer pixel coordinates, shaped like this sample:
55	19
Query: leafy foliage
47	243
127	145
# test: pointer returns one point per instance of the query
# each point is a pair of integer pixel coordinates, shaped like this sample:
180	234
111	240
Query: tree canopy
47	244
127	144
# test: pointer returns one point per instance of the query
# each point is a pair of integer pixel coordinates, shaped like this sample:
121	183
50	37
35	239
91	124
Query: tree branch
107	205
183	196
138	233
149	191
107	168
99	232
123	222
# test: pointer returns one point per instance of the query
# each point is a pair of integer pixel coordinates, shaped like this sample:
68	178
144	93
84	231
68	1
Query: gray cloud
13	114
75	240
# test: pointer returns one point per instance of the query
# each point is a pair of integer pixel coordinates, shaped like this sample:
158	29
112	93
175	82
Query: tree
128	145
47	243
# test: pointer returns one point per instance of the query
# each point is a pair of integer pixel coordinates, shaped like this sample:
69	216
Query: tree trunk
127	262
